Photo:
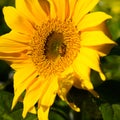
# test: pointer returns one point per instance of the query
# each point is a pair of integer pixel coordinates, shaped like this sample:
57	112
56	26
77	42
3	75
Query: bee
62	49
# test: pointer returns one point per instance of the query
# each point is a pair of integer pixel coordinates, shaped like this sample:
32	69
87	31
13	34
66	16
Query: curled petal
97	41
92	19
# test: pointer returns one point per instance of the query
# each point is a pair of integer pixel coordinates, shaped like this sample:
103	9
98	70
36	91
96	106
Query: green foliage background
107	107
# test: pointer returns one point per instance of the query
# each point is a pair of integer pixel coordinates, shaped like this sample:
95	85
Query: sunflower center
54	46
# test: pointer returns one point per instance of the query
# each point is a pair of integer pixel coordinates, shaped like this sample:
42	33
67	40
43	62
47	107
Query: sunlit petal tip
43	113
97	17
102	76
12	107
33	110
24	113
5	8
74	107
94	93
15	100
13	103
104	15
114	44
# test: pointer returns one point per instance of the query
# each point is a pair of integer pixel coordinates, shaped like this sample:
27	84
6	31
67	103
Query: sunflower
53	45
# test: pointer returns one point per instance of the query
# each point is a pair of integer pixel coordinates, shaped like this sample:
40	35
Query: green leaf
59	111
116	108
18	115
5	102
107	111
110	112
5	108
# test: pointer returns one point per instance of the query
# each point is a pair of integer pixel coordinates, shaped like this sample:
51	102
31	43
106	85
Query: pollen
54	46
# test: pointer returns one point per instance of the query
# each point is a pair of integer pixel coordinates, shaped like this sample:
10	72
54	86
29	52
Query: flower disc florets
55	45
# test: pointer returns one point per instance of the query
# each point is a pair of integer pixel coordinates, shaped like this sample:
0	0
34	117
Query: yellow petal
41	90
72	4
21	75
101	27
43	113
52	10
32	10
36	9
67	9
19	64
59	7
17	37
10	56
21	6
45	6
32	110
92	19
50	94
16	60
91	58
33	93
9	46
103	50
22	80
97	40
82	8
65	84
81	69
16	21
94	38
68	70
13	42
